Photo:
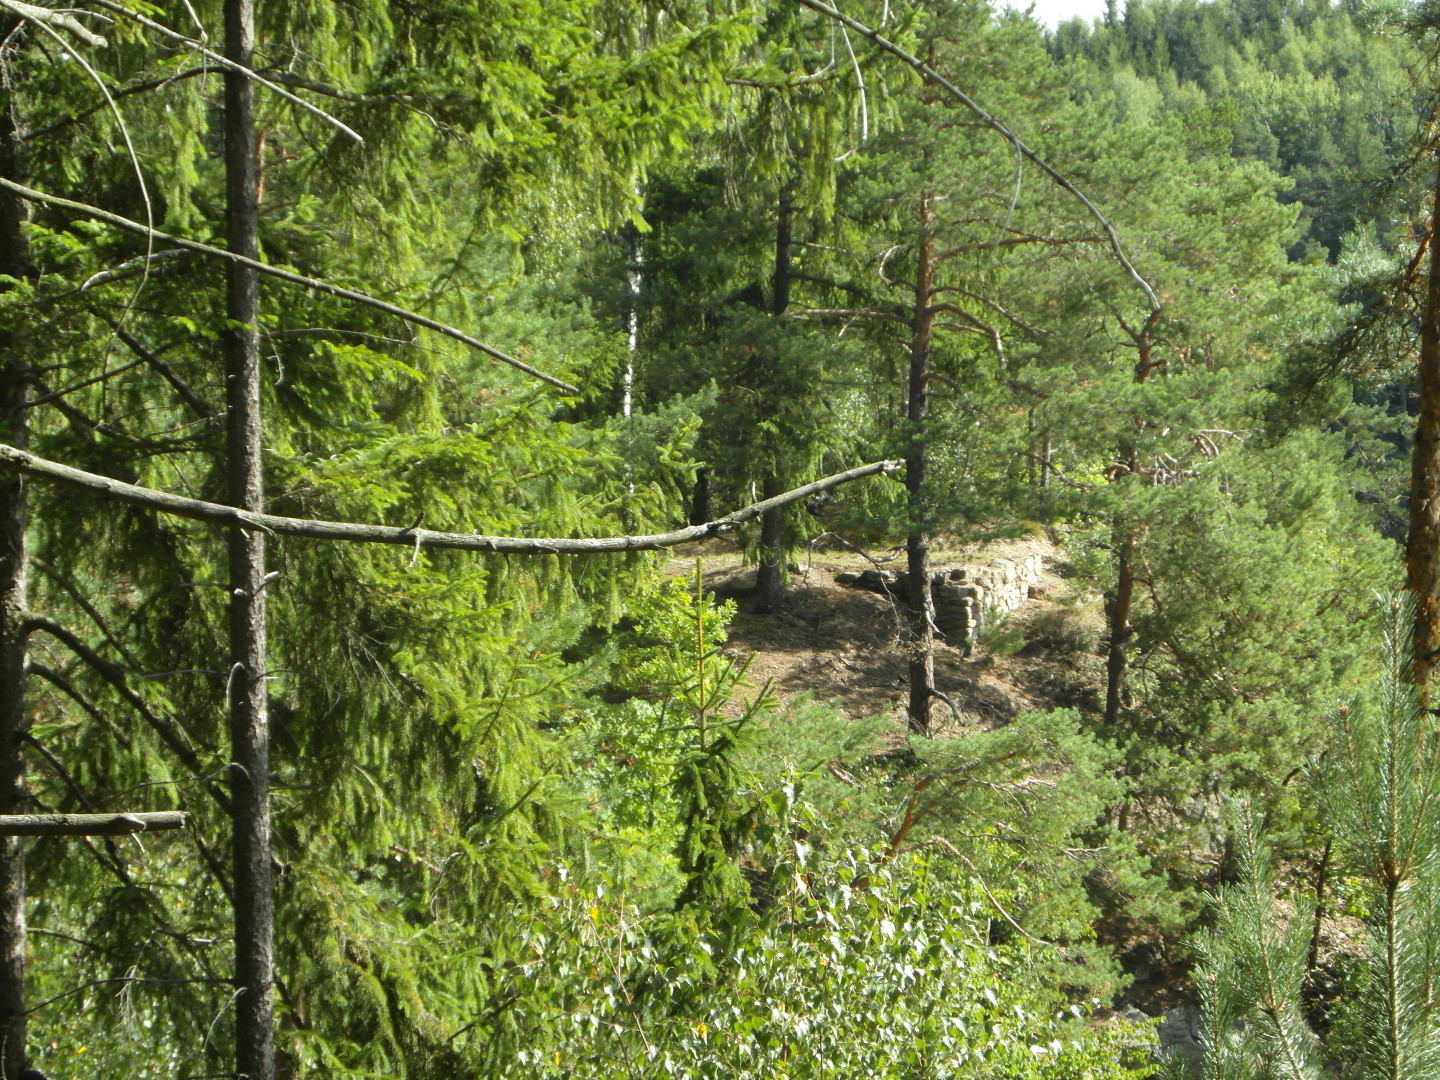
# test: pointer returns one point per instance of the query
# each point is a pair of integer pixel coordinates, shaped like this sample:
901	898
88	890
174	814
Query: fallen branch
930	75
90	824
166	503
329	289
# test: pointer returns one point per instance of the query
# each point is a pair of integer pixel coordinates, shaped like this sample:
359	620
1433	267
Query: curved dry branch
326	287
166	503
931	75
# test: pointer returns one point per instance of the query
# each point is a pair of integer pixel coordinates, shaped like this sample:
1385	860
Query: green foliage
530	818
870	967
1379	787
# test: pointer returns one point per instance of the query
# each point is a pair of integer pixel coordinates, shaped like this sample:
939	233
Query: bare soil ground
843	645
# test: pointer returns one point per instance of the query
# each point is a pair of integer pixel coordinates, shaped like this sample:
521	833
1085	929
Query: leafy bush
873	967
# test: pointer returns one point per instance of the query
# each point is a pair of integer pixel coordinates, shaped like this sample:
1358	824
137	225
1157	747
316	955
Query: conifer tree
319	374
1379	784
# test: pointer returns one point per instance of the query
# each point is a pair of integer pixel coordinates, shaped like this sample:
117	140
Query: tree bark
700	501
249	771
14	600
917	541
770	576
1121	602
1118	607
1422	544
633	282
90	824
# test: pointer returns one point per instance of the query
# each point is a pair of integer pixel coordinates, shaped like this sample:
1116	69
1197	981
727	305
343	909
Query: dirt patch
844	645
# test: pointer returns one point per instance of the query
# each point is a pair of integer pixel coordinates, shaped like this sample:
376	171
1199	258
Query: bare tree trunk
249	723
770	576
1422	545
14	517
700	502
917	542
1117	608
1121	602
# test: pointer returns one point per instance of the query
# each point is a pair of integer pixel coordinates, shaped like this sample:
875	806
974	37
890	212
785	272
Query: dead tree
249	767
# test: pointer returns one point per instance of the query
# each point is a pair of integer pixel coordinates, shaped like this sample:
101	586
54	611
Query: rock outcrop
966	597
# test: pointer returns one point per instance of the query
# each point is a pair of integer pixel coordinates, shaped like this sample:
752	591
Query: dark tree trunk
14	515
1422	545
780	288
1117	608
1120	603
700	504
917	542
249	724
770	575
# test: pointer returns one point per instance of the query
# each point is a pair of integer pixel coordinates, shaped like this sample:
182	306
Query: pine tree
1379	784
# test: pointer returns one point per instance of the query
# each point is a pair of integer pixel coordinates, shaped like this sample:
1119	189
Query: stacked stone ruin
966	597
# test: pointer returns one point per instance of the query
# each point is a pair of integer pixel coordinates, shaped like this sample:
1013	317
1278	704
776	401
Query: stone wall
966	597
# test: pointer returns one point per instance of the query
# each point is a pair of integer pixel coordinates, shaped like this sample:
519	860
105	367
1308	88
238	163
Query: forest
701	539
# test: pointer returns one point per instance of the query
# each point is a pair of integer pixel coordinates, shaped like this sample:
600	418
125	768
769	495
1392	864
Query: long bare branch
166	503
124	91
326	287
931	75
90	824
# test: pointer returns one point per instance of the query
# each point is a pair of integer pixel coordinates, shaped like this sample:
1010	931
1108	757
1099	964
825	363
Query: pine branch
930	75
225	62
326	287
178	505
168	731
